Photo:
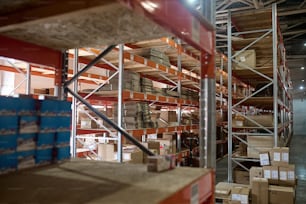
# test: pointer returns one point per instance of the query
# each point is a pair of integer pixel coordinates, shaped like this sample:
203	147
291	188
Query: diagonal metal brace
113	124
88	66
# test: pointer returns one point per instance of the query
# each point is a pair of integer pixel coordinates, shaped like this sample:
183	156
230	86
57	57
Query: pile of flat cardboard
136	115
146	85
159	57
131	81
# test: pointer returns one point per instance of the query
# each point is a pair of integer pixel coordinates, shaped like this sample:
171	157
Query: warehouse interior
179	101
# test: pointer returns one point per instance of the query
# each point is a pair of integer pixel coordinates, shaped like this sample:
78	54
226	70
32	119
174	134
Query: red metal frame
175	17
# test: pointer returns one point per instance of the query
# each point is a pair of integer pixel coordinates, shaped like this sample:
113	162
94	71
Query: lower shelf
82	181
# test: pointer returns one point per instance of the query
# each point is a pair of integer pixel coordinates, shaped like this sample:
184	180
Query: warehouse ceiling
292	21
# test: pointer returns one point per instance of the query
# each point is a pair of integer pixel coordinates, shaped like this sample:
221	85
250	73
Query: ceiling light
302	68
301	87
191	1
303	80
305	44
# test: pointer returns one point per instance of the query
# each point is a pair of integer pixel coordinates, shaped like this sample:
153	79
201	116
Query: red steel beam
178	19
29	52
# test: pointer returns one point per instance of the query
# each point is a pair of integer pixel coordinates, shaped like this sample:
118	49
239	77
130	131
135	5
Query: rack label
194	194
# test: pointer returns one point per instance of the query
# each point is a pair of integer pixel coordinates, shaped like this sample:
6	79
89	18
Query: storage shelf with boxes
262	119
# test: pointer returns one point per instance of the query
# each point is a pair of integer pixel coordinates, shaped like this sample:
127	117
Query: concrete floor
297	157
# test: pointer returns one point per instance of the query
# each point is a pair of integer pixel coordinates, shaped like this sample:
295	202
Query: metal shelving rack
258	30
193	29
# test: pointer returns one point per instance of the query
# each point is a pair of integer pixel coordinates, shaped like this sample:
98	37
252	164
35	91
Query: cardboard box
240	194
260	191
259	144
271	173
287	175
255	172
281	195
106	152
279	156
241	176
264	120
161	163
247	57
264	158
223	190
168	116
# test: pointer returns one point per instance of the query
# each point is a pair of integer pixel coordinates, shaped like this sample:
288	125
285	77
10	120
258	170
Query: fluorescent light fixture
301	87
302	68
303	80
305	44
191	1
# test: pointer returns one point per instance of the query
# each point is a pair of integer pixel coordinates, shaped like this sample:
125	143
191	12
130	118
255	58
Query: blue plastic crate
8	105
26	142
63	122
48	123
62	153
27	106
44	155
28	124
64	108
62	138
49	107
45	139
8	161
8	125
8	142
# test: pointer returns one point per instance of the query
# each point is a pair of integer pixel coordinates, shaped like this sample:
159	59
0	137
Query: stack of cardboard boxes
275	181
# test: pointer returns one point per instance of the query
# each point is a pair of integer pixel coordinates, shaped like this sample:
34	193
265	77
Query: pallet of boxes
275	181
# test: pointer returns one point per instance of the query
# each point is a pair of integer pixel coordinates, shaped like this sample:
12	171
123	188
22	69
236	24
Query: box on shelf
160	163
247	57
241	176
280	156
260	191
264	120
167	146
255	172
106	152
287	175
281	195
26	142
271	173
259	144
264	158
168	116
223	190
240	194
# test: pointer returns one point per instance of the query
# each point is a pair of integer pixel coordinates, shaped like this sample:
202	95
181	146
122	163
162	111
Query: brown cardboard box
247	57
280	156
264	120
240	194
168	116
264	158
106	152
260	191
259	144
241	176
255	172
271	173
160	163
223	190
281	195
287	175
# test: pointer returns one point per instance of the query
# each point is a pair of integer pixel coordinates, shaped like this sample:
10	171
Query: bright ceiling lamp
191	1
301	87
302	68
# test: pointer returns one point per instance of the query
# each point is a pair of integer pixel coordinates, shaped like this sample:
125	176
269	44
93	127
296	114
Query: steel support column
74	104
230	98
28	87
179	90
120	101
275	68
